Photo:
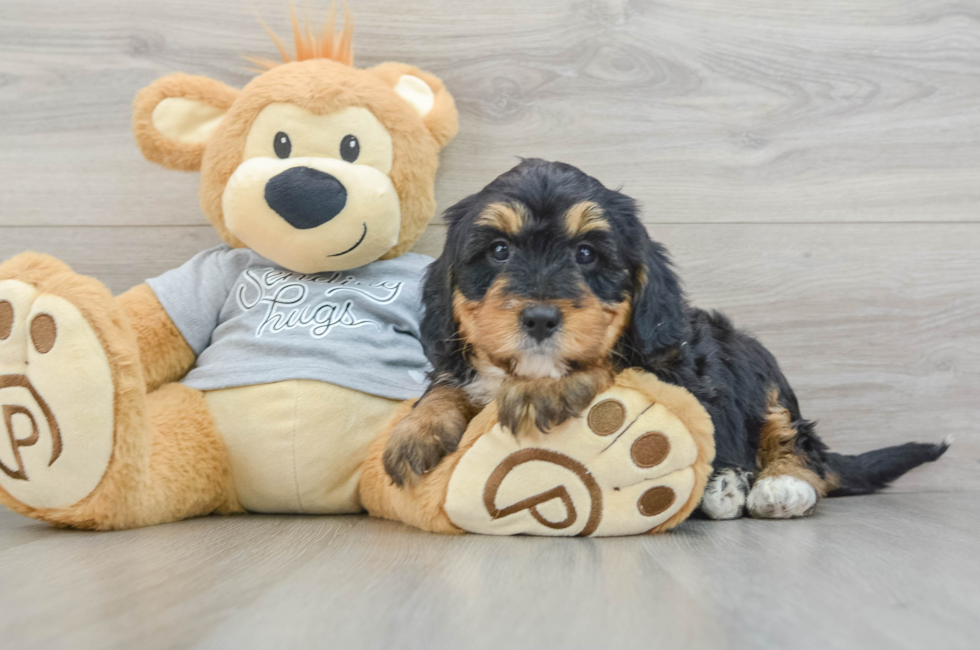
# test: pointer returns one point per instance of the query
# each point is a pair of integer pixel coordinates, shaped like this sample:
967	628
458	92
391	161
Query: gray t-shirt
252	322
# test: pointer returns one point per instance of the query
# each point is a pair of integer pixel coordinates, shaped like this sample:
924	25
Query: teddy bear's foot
628	465
56	394
81	443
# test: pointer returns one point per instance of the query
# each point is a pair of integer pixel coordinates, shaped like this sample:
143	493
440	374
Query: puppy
548	285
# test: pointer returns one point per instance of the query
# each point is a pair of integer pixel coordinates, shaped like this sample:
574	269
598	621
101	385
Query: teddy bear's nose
305	197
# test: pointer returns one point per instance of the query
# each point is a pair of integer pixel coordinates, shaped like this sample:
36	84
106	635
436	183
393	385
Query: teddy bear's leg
81	443
635	461
184	472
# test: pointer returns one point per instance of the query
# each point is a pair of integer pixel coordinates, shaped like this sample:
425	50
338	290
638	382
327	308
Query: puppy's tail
873	470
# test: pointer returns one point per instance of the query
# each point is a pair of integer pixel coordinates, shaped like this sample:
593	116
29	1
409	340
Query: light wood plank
876	325
707	112
120	257
148	585
892	571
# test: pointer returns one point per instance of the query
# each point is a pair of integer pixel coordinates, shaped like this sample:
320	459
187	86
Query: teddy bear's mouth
363	235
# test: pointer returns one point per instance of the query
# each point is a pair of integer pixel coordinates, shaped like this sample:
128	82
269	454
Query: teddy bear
293	344
265	374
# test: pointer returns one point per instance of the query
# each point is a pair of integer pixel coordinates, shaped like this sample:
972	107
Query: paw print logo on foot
625	467
560	492
16	441
56	399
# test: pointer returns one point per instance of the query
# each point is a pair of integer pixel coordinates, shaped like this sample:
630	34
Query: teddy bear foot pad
56	399
624	467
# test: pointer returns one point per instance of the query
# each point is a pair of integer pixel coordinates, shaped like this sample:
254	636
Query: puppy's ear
440	334
658	320
174	117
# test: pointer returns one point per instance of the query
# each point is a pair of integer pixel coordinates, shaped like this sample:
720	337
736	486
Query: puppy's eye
350	148
500	251
282	145
585	255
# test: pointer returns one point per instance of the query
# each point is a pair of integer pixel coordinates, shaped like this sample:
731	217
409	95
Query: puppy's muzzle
305	197
540	321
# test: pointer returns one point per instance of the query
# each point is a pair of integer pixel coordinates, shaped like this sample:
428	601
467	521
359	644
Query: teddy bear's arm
164	353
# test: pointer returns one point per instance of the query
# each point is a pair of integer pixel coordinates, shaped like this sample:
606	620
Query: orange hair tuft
328	44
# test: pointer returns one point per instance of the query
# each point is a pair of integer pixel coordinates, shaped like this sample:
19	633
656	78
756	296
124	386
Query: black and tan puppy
548	284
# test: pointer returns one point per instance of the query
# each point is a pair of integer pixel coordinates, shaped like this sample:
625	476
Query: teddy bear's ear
173	118
426	94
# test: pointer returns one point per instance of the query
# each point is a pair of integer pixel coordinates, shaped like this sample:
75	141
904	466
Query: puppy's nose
305	197
540	321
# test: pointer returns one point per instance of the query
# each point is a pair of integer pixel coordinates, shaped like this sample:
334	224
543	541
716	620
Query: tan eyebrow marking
505	217
584	217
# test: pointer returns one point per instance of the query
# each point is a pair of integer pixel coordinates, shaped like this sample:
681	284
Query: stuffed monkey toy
258	375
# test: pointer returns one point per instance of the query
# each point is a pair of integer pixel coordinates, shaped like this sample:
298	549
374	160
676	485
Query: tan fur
508	218
322	86
435	424
777	450
168	461
163	351
419	505
584	218
162	150
489	325
590	328
442	120
440	402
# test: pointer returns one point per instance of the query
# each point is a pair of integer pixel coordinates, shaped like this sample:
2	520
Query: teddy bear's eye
350	148
282	145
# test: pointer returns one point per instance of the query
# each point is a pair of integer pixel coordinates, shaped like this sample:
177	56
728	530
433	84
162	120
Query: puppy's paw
724	497
548	403
419	442
782	497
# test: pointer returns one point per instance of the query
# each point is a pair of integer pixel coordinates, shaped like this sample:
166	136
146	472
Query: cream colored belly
297	446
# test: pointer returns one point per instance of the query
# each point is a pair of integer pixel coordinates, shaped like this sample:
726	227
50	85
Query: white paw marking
781	497
723	498
56	400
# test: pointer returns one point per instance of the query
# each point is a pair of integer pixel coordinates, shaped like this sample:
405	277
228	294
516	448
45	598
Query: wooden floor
813	166
887	571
